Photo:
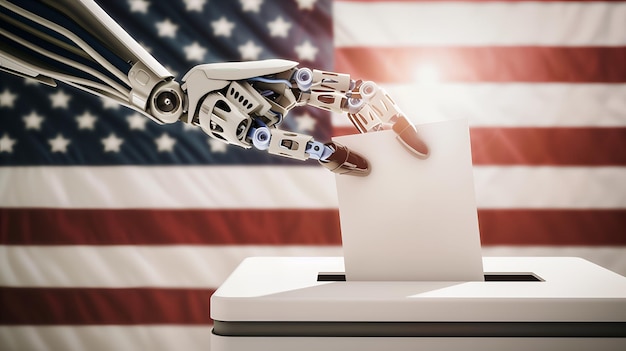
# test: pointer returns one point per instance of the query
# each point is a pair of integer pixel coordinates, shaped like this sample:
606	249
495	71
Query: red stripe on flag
486	64
542	146
52	306
286	227
549	146
141	226
552	227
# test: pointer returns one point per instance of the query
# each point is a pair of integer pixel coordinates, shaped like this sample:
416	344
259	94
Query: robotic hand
239	103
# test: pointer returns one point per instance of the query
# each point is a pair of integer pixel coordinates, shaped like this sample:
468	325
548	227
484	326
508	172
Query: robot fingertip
415	145
345	161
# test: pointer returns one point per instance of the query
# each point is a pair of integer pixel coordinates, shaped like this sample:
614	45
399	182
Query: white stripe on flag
511	104
179	266
550	187
480	23
273	187
225	187
105	338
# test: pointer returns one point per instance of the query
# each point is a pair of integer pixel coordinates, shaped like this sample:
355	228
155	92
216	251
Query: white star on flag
60	99
59	144
279	27
165	143
33	121
251	5
136	121
139	6
7	98
109	104
306	51
167	28
305	122
217	146
188	127
194	52
306	4
112	143
194	5
249	51
6	143
31	81
222	27
86	121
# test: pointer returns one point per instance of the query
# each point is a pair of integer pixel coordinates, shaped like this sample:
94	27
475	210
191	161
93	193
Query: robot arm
239	103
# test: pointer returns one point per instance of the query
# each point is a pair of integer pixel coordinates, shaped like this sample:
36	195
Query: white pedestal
535	303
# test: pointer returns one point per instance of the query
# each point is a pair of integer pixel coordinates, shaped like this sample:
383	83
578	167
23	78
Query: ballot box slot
489	277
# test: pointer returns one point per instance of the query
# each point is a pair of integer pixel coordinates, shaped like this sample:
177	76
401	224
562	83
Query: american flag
115	231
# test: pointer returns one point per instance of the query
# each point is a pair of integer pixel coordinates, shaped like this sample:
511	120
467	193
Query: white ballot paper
411	219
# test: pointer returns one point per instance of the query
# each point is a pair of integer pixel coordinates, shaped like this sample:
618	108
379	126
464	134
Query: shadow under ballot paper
411	219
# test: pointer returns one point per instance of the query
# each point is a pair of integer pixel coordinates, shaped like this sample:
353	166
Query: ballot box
523	303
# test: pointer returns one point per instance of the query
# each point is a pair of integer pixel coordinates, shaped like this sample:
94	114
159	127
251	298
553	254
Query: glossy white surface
286	289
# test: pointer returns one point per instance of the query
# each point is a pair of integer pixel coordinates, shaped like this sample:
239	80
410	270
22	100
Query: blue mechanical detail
270	80
304	79
260	137
318	151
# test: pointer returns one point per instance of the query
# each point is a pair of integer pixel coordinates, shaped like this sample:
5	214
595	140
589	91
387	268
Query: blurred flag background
114	231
